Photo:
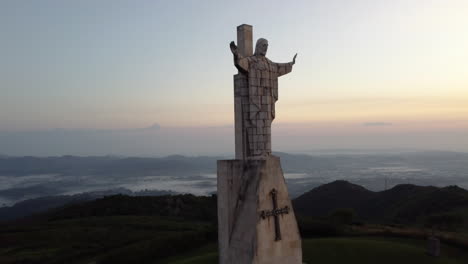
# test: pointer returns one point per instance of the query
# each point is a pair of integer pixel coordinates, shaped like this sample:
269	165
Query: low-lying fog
19	179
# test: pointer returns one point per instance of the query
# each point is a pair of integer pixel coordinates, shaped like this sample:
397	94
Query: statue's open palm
233	48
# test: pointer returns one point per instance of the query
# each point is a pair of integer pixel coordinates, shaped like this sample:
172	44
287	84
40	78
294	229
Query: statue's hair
260	41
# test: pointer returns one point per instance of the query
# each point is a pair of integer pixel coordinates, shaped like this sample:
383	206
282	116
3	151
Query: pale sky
389	68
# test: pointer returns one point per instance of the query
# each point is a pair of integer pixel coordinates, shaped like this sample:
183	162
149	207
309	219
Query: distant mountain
404	203
450	167
325	198
106	165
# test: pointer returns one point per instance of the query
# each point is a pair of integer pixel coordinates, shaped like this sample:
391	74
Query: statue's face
261	47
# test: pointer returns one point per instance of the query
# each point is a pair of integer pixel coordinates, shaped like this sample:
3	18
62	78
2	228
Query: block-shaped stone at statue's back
248	227
241	112
241	93
244	40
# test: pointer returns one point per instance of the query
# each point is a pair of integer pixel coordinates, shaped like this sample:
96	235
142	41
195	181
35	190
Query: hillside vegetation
116	229
407	204
352	250
182	228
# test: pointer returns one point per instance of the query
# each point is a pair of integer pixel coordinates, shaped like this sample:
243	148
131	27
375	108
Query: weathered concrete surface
241	92
244	188
255	94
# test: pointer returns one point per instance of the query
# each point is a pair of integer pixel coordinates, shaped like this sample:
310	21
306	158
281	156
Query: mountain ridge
404	203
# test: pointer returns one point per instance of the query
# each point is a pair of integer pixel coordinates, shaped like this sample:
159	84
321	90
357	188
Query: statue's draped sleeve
283	68
242	64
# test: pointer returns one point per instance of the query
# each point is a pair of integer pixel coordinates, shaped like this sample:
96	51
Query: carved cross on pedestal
276	212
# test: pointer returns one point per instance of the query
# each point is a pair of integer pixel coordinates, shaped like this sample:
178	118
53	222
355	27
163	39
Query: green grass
367	250
204	255
376	250
112	239
165	240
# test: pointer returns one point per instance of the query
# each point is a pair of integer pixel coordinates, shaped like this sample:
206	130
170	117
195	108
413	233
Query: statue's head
261	47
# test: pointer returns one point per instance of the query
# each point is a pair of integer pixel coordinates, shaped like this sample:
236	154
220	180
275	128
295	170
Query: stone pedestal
255	215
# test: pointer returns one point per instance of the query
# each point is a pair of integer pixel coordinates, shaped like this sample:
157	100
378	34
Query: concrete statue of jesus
262	88
256	220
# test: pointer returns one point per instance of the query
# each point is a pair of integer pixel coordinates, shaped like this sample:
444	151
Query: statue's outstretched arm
285	68
242	64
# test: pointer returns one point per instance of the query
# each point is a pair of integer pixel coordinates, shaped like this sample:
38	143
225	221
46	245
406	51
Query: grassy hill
352	250
404	204
116	229
182	228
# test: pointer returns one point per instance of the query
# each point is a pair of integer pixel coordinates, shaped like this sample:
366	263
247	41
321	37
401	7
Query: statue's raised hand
233	47
294	59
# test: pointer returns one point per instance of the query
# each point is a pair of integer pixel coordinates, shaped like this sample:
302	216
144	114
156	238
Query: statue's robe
263	93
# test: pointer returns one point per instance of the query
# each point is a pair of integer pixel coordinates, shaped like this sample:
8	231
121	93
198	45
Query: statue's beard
260	53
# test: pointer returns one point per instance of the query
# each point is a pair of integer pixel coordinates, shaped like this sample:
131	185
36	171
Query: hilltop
155	229
403	204
114	229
